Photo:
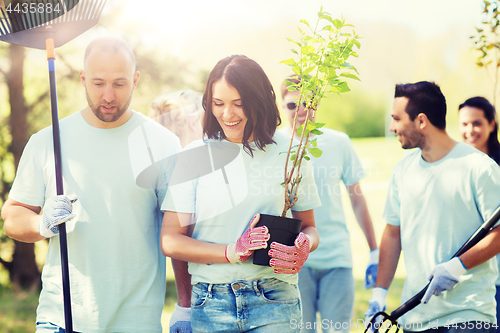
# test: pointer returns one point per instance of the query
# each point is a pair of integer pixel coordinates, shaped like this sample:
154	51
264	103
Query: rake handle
478	235
59	185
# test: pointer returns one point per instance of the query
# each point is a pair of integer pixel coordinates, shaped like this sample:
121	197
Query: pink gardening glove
253	239
290	259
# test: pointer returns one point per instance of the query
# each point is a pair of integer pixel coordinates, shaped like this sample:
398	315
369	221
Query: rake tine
47	15
7	29
81	11
62	5
87	10
2	28
30	21
24	25
103	2
17	22
54	15
93	10
74	11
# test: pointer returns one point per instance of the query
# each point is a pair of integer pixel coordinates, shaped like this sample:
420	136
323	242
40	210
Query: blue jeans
329	292
258	306
43	327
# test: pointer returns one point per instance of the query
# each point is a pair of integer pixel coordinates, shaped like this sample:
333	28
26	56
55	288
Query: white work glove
253	239
56	210
371	269
377	304
180	321
444	277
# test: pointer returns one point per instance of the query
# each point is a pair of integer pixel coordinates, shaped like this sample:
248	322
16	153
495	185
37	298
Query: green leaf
309	70
307	158
315	152
289	62
316	132
292	158
307	49
305	22
338	23
299	130
343	87
351	76
314	143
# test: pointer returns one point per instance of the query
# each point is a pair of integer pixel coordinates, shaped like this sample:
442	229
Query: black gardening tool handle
473	240
59	186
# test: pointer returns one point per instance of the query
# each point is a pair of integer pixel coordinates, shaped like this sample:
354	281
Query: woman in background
478	127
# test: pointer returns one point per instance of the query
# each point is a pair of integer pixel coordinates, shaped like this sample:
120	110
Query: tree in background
486	42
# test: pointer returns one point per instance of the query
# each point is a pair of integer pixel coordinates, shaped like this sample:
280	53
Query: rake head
387	324
30	22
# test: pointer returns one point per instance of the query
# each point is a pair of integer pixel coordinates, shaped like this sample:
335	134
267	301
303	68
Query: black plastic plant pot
282	230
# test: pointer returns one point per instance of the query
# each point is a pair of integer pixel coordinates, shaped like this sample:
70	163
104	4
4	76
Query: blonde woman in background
180	112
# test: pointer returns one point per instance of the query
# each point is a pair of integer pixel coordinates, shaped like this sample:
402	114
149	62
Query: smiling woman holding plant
206	221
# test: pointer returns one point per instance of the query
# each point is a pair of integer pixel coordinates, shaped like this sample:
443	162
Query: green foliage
359	113
17	310
321	66
486	41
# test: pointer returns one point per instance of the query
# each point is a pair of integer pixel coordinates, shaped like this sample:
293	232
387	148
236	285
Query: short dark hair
424	97
257	99
483	104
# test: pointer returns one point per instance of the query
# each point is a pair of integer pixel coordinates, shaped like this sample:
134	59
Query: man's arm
21	222
486	249
360	209
182	283
390	250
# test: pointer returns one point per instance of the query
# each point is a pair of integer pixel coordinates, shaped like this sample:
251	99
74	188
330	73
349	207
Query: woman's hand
253	239
290	259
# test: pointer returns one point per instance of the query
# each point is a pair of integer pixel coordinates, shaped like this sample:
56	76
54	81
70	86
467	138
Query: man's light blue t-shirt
117	271
438	206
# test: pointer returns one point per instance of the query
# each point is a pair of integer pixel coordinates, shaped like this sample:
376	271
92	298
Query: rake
390	321
47	24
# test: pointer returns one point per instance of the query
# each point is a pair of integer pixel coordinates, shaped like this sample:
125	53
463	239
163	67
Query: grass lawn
378	155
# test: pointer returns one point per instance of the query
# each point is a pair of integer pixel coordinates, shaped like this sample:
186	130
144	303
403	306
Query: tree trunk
23	270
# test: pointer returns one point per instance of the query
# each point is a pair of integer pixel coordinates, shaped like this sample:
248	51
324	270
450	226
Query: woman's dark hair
424	97
258	101
482	103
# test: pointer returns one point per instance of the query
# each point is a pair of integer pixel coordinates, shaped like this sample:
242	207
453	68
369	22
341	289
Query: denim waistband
239	285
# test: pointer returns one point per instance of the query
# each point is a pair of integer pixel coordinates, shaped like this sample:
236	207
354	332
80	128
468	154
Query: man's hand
56	210
444	277
290	259
180	321
253	239
377	304
371	269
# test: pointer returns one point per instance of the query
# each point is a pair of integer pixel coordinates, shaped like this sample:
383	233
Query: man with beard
438	196
117	272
